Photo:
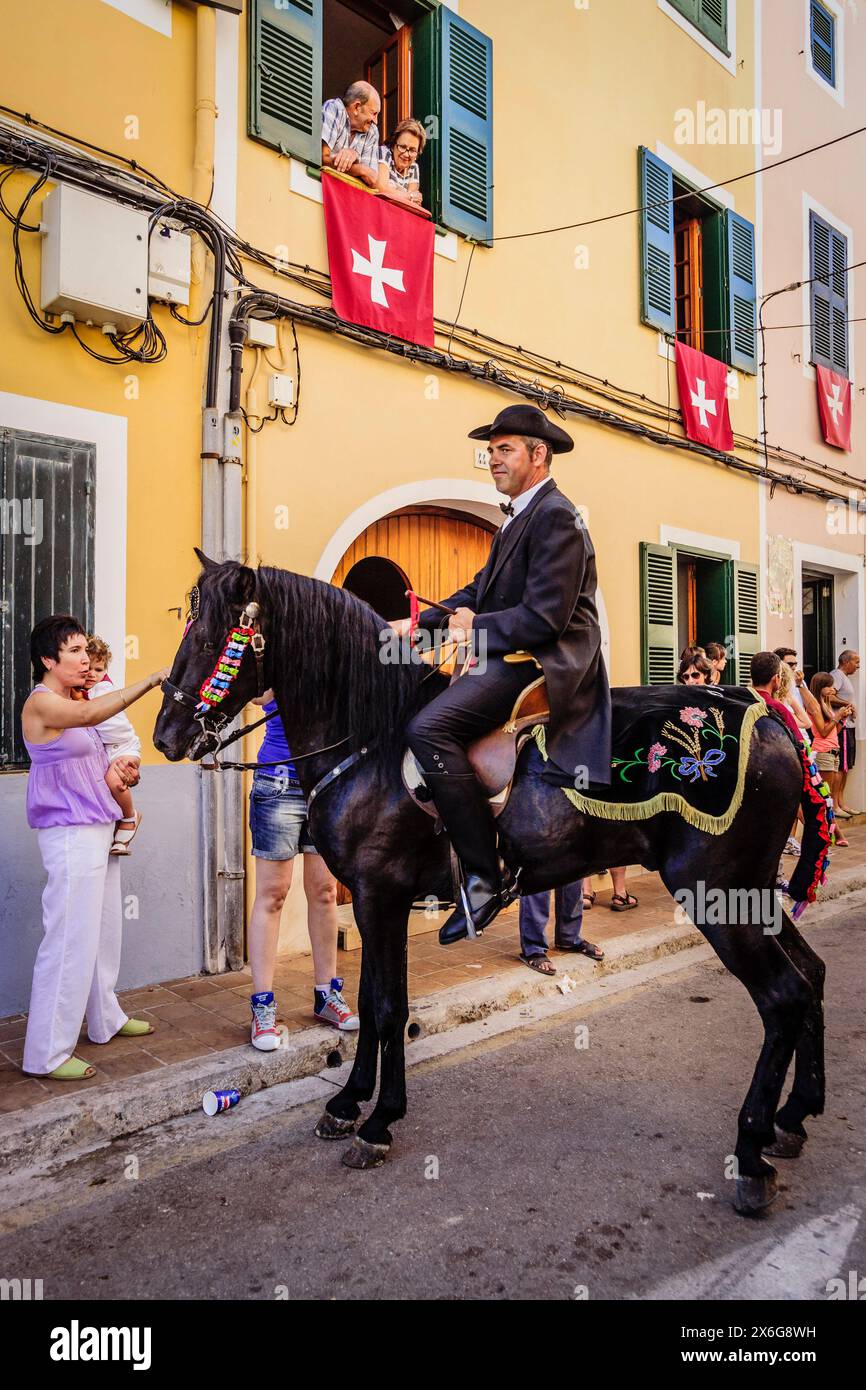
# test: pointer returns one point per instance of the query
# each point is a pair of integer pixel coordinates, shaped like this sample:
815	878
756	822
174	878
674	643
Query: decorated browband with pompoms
218	683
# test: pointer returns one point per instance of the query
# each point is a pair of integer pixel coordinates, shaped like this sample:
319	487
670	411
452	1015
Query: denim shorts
278	819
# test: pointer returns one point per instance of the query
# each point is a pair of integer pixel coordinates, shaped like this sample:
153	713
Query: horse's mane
372	698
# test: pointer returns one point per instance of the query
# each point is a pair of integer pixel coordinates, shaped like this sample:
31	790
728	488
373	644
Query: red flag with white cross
702	382
834	407
381	261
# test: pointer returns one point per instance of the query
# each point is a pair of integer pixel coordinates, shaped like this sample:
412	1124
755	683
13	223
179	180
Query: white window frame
812	205
838	91
728	63
109	434
156	14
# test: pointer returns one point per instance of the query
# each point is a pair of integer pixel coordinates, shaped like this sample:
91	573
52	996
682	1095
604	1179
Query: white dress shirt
518	503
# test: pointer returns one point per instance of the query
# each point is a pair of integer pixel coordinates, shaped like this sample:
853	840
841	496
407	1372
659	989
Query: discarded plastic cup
214	1101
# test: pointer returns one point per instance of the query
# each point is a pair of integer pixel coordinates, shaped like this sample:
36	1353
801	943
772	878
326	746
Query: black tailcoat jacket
537	594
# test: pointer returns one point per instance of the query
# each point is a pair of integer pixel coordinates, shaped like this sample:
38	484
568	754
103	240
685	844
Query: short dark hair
782	652
846	655
715	651
47	638
699	662
765	665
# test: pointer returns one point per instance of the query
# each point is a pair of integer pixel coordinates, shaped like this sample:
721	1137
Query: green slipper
73	1069
134	1028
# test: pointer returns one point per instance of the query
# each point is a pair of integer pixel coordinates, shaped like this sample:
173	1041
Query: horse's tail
818	818
818	821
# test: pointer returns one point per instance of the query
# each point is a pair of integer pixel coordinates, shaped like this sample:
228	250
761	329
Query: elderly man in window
350	135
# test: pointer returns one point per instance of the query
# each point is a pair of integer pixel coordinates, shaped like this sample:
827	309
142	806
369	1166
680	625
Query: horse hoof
753	1194
361	1154
785	1145
332	1127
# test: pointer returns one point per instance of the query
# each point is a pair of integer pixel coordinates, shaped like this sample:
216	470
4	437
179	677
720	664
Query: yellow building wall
92	72
576	92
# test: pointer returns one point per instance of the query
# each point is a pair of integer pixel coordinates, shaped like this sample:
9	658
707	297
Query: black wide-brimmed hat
527	420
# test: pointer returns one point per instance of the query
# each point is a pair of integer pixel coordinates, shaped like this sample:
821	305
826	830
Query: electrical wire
233	250
678	197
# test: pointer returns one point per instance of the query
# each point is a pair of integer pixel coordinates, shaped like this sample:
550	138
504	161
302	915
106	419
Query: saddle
493	758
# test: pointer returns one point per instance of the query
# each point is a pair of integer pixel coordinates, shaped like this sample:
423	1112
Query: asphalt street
579	1158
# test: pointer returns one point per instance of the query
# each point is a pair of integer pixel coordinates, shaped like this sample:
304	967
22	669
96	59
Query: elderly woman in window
399	174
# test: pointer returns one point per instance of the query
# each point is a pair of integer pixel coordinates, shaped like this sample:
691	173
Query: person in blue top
279	829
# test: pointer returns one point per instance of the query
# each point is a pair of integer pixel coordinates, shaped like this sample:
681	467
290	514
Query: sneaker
332	1008
264	1033
792	847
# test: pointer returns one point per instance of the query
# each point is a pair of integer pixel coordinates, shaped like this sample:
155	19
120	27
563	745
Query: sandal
124	834
840	842
623	902
588	901
542	965
585	948
73	1069
134	1028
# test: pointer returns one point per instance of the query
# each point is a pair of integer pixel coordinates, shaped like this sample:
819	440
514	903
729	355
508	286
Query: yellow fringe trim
668	801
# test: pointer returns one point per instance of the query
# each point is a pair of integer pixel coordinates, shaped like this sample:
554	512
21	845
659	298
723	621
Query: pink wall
834	179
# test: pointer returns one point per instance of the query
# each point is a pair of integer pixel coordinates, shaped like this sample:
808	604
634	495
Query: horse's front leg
342	1110
383	919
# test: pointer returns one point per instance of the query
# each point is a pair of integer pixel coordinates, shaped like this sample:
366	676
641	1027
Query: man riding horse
536	595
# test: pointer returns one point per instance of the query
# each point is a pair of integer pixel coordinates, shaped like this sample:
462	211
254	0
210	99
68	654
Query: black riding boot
469	823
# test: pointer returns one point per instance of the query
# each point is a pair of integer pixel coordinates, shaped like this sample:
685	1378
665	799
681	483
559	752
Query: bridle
247	634
205	703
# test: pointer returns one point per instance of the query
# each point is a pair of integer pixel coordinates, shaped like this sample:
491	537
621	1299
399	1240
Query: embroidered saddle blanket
674	749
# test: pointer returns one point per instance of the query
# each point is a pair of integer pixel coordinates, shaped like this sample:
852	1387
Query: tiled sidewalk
206	1014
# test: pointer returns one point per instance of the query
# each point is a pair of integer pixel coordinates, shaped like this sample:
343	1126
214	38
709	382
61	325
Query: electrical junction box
261	333
170	260
94	258
281	390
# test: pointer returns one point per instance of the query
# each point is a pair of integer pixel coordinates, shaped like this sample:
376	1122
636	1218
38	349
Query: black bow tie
507	508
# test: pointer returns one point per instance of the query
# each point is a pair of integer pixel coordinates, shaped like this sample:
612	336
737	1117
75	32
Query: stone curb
93	1117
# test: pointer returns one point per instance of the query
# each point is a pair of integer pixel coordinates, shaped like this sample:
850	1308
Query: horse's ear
206	563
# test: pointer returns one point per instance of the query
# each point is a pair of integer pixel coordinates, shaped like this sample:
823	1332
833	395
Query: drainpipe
221	844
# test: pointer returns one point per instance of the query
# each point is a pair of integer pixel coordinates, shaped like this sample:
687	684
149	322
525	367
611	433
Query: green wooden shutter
655	190
742	308
747	620
829	253
46	557
712	20
453	98
658	614
710	17
285	76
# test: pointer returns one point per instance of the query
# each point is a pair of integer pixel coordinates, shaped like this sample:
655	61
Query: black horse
337	693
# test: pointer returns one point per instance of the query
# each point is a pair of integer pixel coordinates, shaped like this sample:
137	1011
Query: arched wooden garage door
436	549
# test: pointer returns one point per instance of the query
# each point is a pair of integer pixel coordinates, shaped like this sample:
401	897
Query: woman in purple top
73	812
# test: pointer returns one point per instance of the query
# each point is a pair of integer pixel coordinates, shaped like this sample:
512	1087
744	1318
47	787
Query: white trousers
78	960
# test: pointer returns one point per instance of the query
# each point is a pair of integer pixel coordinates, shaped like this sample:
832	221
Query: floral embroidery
698	762
691	715
655	755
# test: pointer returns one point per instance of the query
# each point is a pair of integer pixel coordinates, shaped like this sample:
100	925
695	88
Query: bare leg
618	880
273	881
320	888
